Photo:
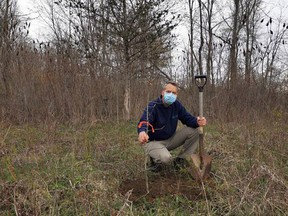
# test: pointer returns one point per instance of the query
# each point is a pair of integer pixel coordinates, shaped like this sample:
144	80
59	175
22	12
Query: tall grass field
99	169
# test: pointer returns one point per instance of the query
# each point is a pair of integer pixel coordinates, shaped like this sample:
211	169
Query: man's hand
201	121
143	137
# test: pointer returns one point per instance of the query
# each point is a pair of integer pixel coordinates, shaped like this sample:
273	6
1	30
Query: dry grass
251	167
77	170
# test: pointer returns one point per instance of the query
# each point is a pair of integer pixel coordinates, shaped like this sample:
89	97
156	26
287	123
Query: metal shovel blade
201	166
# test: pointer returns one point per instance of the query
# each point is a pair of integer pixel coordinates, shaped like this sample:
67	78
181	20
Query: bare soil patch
167	183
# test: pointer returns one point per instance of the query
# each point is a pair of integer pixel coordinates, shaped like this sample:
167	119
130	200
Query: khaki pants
160	150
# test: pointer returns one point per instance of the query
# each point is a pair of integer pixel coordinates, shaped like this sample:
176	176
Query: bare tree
201	38
209	60
250	20
233	65
191	39
8	24
270	50
127	29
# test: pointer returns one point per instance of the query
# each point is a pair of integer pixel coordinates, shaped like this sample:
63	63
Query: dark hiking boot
154	167
180	163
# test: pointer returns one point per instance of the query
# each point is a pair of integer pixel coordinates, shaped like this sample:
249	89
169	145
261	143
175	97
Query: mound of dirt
161	185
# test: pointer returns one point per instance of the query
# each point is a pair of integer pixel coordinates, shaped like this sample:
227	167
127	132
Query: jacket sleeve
186	118
143	122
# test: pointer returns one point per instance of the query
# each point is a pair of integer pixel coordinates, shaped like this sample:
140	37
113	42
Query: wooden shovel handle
201	82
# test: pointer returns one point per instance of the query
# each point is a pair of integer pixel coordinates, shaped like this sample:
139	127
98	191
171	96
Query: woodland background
70	105
106	59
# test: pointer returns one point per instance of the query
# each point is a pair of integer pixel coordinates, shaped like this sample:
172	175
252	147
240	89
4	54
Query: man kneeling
158	134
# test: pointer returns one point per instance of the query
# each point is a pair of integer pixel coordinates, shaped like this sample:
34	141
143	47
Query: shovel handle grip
201	81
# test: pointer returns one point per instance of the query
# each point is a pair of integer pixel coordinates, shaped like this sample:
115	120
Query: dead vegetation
99	169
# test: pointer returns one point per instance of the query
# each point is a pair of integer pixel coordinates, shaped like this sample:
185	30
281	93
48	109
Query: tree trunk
209	62
191	41
5	51
201	39
127	72
233	66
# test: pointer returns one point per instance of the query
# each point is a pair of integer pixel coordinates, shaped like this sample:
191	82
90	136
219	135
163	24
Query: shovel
202	161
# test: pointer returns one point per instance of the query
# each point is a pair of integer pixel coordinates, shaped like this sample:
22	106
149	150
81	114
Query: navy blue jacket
164	119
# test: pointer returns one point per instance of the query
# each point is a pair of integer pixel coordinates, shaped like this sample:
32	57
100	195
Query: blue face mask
169	98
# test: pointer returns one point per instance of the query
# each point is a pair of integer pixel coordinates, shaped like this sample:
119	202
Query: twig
6	134
127	202
146	176
226	182
273	176
14	204
242	198
206	199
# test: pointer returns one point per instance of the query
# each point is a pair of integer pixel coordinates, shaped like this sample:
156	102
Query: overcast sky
28	9
37	28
